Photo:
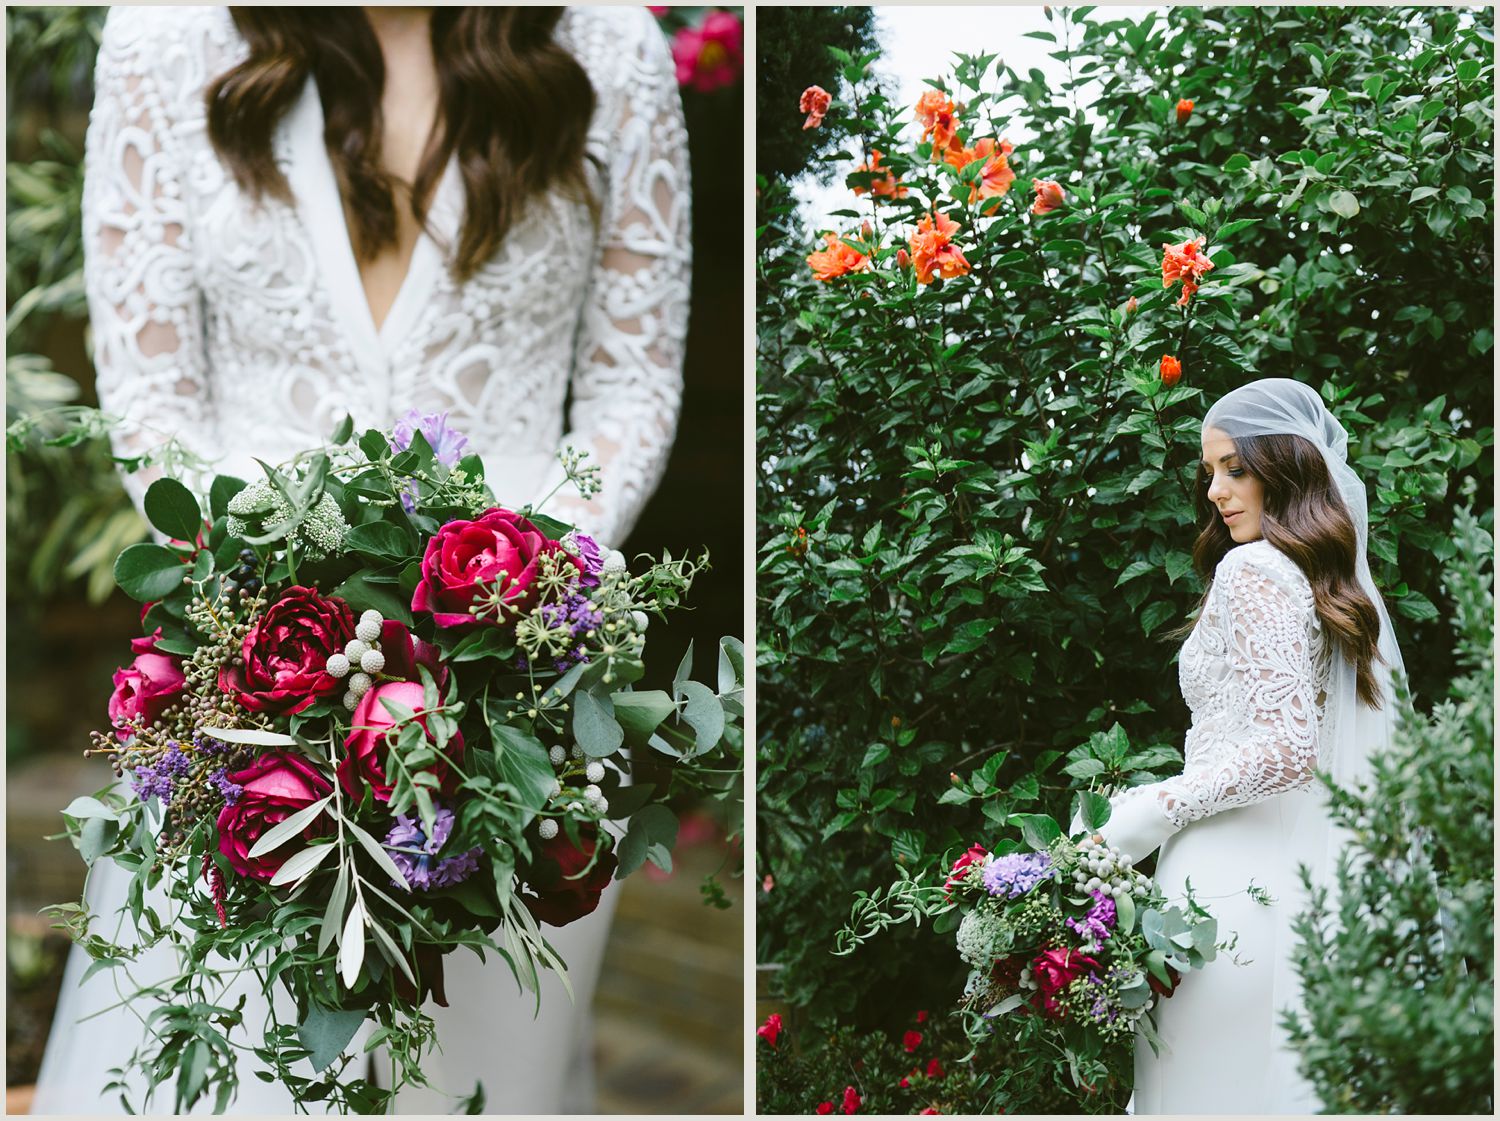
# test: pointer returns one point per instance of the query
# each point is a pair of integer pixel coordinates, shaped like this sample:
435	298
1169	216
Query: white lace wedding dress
242	330
1254	672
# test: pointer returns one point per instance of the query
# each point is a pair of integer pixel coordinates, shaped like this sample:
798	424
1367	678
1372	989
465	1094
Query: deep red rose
365	748
905	1082
929	1109
404	652
935	1069
975	854
147	687
1164	990
275	786
911	1041
428	966
823	1107
771	1029
852	1100
557	897
285	653
462	556
1054	970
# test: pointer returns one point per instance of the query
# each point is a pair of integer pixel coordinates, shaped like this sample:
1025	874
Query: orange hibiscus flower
839	259
1171	370
1184	111
1187	263
814	102
996	177
881	188
939	117
933	251
1049	196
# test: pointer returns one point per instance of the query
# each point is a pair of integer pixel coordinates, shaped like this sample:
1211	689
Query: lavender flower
1100	920
579	615
448	444
423	871
1015	874
148	782
230	791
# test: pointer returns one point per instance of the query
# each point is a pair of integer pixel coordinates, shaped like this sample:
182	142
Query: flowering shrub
975	493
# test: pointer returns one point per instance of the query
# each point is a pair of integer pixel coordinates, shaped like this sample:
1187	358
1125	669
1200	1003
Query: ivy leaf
327	1031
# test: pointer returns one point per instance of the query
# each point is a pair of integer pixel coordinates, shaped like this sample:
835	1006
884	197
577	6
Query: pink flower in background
815	102
658	10
710	56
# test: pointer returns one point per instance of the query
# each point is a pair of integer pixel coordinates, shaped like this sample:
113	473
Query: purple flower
230	791
1015	874
421	870
586	549
579	615
448	444
1100	920
148	781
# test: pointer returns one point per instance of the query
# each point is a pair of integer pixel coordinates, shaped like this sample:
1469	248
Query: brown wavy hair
514	107
1303	515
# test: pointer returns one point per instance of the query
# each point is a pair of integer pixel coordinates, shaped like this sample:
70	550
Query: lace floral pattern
241	329
1254	672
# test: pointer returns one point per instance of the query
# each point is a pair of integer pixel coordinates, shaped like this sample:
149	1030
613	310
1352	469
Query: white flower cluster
363	651
1107	871
979	937
321	533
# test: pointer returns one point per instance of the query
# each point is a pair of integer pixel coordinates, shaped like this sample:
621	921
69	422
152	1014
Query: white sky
918	42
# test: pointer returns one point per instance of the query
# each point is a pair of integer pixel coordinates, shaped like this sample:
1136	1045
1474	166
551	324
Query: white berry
614	561
556	787
355	650
575	752
350	700
575	807
359	684
368	630
592	792
601	805
557	755
547	828
338	665
640	619
373	661
595	771
371	616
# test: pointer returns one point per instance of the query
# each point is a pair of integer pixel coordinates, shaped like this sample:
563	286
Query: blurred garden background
975	472
667	1010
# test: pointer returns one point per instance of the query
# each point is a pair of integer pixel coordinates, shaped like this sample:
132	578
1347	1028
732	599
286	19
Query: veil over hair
1351	732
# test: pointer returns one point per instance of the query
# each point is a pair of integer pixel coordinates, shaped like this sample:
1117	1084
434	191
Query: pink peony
365	749
463	559
147	687
710	56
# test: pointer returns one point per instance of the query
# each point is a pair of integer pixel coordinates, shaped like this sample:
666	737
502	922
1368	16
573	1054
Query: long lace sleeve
1264	739
144	301
626	385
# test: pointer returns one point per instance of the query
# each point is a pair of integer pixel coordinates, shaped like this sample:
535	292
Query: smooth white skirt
1223	1049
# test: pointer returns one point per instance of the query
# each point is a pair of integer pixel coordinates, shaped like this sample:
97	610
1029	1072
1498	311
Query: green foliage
994	483
796	48
1398	966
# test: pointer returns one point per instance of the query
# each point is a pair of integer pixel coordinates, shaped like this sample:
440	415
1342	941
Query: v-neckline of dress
316	194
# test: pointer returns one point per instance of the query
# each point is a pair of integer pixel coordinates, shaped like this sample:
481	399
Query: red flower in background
815	102
823	1107
1171	370
929	1109
1187	263
911	1041
771	1029
839	259
710	56
1184	111
1049	196
852	1100
922	1015
935	1069
933	250
881	188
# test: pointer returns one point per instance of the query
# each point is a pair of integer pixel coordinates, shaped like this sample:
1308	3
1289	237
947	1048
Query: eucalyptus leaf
595	728
326	1032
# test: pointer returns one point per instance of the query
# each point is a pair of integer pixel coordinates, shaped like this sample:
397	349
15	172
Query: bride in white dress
1287	672
247	327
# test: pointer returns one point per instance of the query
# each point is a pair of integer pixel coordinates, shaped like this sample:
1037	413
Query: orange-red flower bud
1049	196
1184	111
903	259
865	230
1171	370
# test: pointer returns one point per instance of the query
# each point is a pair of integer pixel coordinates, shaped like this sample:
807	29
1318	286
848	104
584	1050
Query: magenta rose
286	651
147	687
404	652
273	788
463	557
365	749
1054	970
975	854
557	898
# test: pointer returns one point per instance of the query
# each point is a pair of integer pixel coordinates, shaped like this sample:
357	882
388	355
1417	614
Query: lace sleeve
627	375
143	297
1268	743
1274	707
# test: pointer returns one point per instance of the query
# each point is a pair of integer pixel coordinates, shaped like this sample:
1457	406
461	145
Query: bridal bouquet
1066	942
375	716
